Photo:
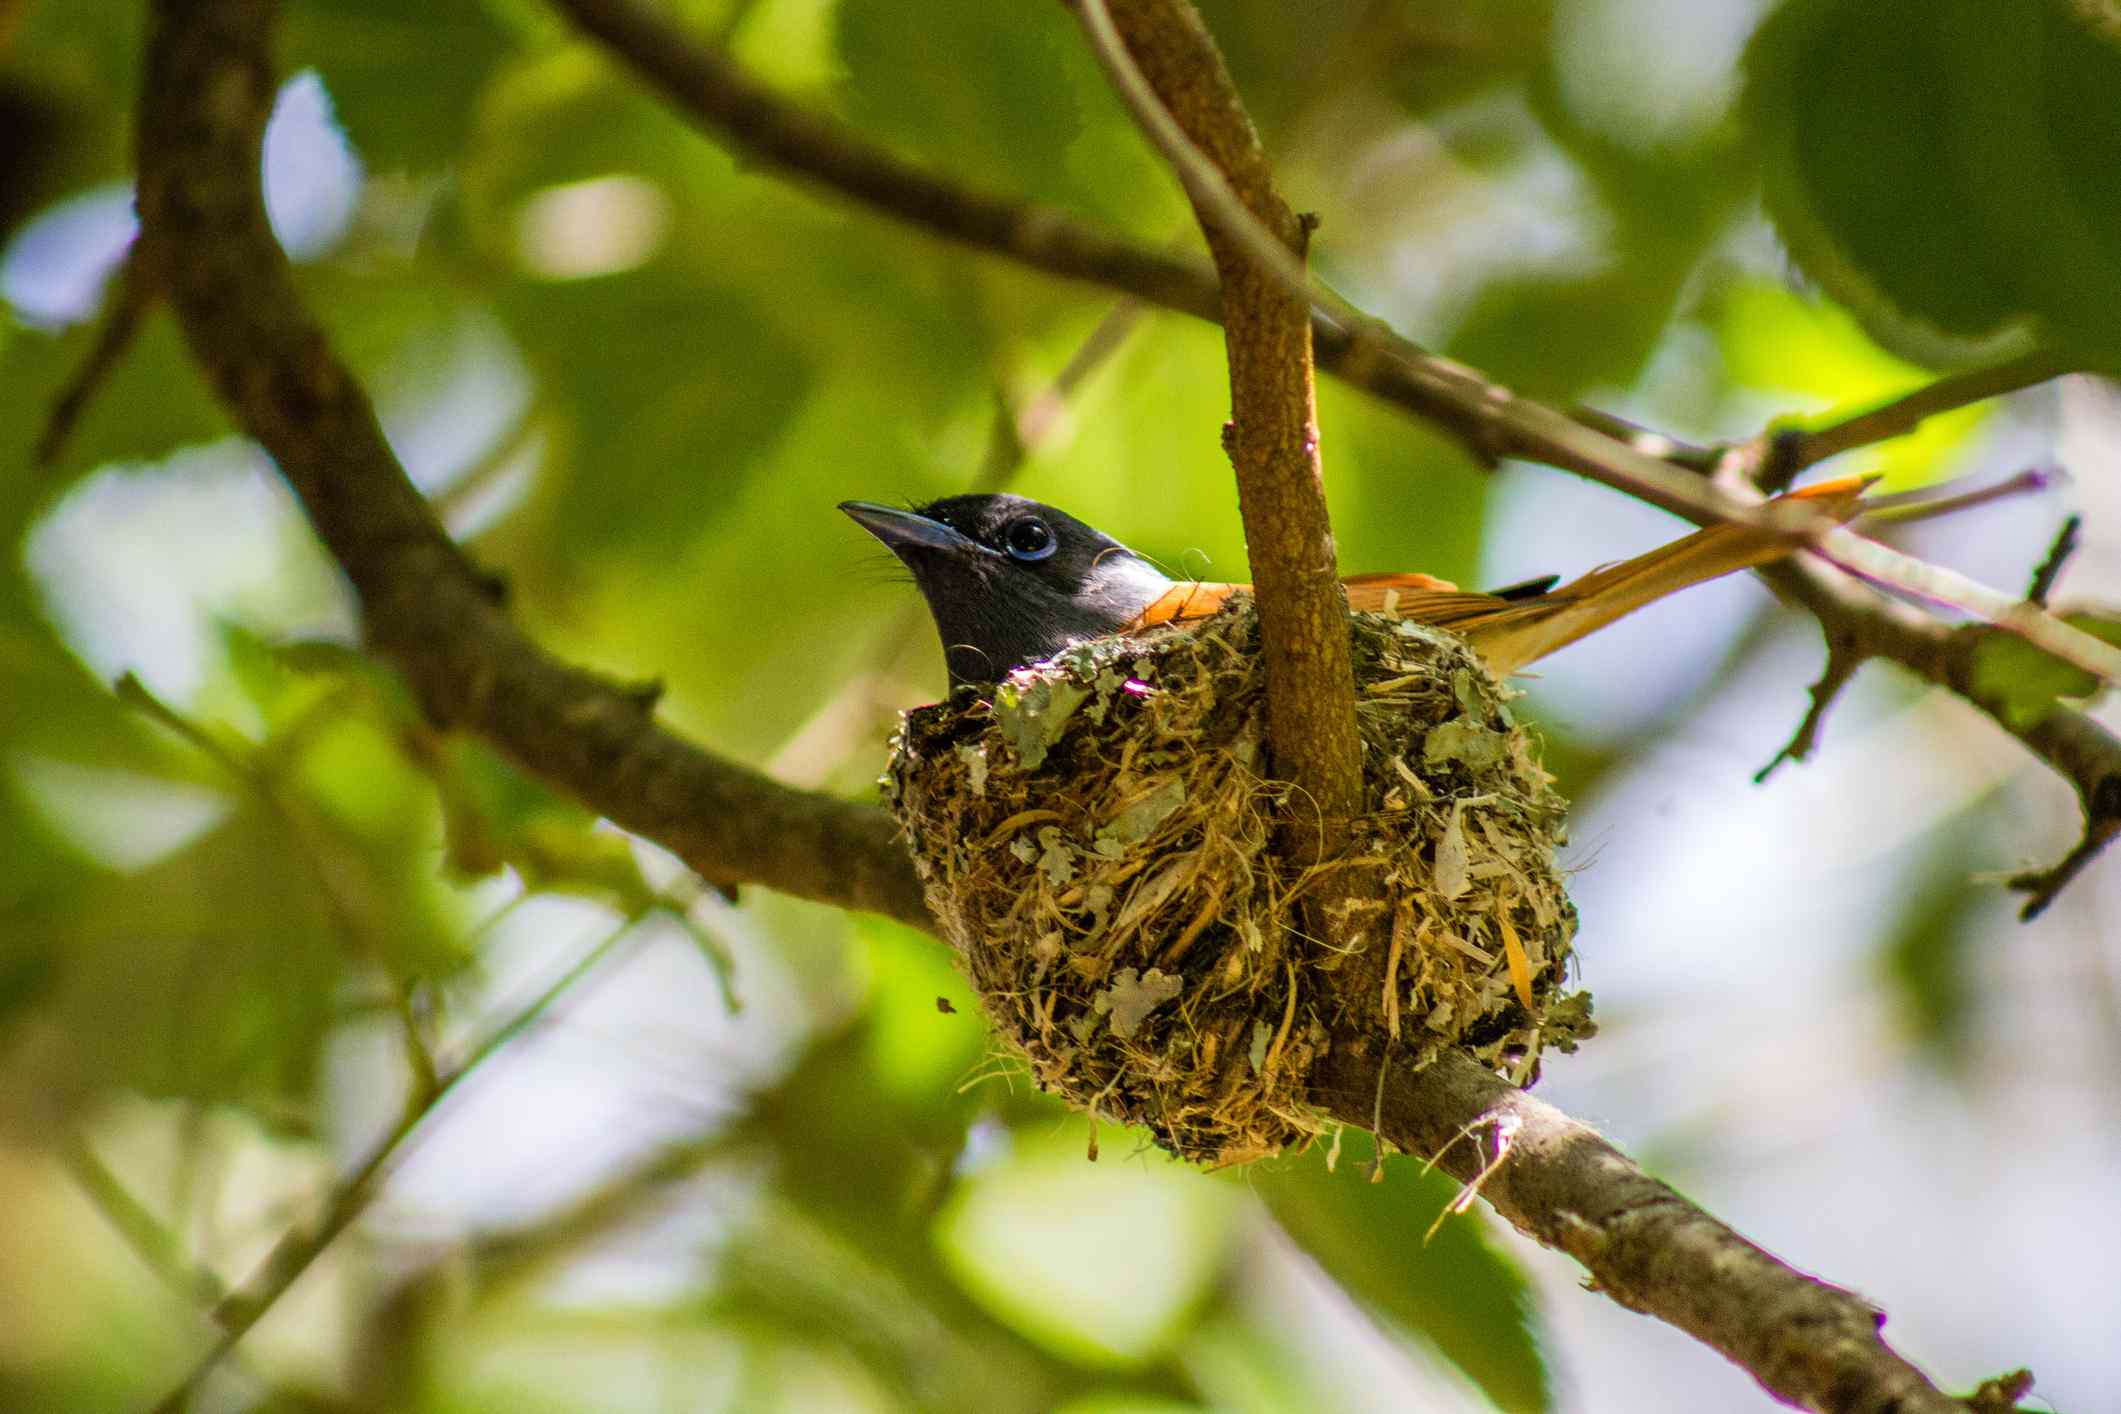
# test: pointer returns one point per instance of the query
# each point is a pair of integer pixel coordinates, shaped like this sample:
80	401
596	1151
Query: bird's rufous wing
1184	602
1511	634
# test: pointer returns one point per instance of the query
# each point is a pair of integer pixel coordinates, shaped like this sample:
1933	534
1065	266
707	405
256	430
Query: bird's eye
1028	539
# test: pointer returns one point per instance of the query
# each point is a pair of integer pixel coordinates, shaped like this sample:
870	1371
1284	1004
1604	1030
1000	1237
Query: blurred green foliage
1947	169
1385	1236
2027	682
635	372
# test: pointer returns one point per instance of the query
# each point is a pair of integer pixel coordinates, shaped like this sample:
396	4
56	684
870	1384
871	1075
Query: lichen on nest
1095	839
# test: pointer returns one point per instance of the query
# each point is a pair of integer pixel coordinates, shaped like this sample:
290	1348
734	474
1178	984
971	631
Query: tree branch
1799	449
1807	1342
1161	58
1860	623
426	607
151	1240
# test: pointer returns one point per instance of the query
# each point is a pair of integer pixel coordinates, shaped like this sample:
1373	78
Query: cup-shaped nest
1096	837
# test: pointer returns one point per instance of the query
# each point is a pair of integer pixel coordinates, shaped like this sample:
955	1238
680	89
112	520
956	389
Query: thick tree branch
1806	1342
425	607
1161	58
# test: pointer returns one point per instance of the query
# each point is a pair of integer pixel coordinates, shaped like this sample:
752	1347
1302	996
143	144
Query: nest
1095	839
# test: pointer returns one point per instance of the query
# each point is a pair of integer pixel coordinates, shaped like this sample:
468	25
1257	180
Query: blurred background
698	1154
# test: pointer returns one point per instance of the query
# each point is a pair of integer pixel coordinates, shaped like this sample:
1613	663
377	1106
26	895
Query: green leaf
404	75
1454	1290
684	394
1945	168
1477	46
986	92
1032	718
212	974
925	1031
2025	682
1102	1263
2043	143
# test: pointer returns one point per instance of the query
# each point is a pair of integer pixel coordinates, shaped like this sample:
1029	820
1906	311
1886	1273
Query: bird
1010	581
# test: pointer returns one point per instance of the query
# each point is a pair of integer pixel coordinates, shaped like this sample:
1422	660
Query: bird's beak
902	531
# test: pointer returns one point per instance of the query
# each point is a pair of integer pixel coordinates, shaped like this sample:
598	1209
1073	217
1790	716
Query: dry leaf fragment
1451	857
1132	996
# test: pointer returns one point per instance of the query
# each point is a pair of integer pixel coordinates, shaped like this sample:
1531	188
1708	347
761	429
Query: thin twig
1649	441
1867	624
1904	414
2000	1394
1842	662
335	877
2058	554
470	485
2043	886
151	1240
134	293
1940	585
242	1309
1021	431
1931	502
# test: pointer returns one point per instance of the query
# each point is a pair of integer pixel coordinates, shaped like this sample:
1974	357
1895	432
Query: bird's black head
1010	581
